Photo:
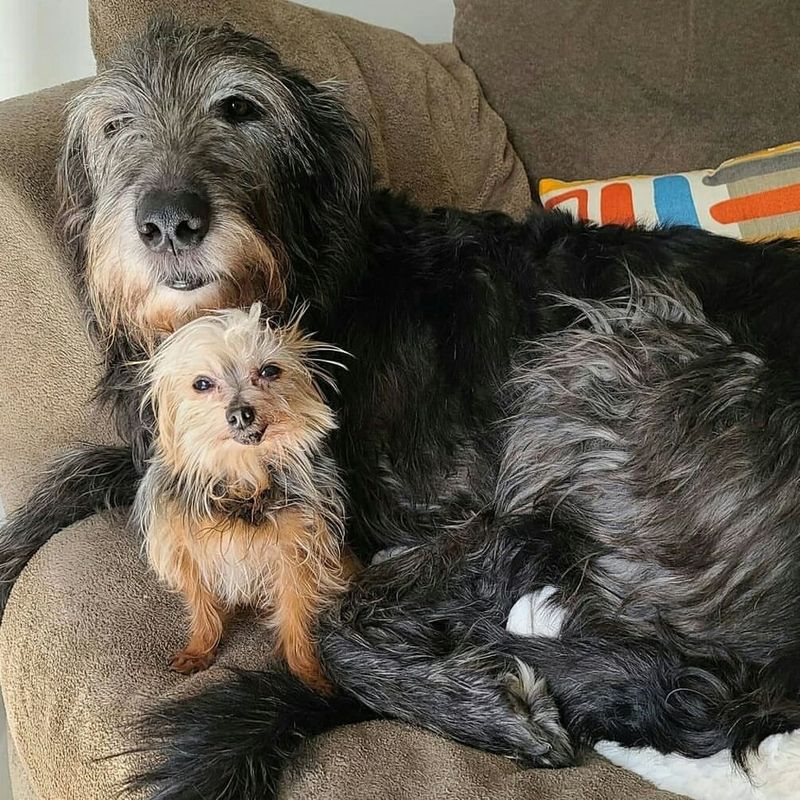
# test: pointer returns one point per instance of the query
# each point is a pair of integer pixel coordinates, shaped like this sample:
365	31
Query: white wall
42	42
426	20
45	42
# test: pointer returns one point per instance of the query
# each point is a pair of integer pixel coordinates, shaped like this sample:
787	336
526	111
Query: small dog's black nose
241	417
174	221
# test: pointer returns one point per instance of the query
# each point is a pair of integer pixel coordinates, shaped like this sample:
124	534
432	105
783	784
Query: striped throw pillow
756	196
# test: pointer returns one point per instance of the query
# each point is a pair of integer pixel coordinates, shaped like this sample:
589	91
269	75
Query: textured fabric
20	785
619	87
104	632
755	196
47	366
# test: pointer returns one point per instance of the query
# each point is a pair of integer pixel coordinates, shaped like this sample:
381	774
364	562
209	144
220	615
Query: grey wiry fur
647	430
668	450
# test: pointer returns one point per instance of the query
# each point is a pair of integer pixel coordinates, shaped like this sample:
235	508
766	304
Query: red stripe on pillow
616	204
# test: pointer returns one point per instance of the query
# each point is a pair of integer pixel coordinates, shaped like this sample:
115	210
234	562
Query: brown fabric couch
87	633
598	88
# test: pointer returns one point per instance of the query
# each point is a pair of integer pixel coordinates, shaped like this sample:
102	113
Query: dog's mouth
184	282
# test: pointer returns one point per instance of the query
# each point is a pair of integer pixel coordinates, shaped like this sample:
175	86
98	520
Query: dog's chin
188	272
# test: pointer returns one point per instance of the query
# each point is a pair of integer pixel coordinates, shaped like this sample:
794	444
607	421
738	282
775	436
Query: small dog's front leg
295	613
207	620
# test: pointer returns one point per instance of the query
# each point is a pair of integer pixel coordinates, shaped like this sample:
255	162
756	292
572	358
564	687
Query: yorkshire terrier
242	505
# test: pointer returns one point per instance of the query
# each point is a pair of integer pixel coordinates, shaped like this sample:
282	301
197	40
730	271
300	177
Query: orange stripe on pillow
581	195
616	204
770	203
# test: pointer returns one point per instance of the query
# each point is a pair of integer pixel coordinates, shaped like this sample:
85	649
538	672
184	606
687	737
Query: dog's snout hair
209	114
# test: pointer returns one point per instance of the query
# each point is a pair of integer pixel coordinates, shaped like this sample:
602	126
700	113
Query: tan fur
307	576
286	566
127	297
193	437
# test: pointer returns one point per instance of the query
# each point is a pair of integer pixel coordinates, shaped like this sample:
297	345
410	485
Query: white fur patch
389	552
533	615
774	772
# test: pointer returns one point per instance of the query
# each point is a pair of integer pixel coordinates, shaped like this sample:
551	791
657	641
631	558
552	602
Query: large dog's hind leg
641	692
402	645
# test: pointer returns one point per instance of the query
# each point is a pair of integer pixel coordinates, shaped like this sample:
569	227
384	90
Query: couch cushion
755	196
609	87
86	640
432	133
48	368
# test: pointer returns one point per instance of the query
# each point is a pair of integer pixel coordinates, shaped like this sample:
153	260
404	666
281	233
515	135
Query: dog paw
308	669
319	684
530	699
187	662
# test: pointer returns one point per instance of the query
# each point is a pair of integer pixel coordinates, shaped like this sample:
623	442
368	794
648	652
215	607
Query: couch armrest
48	367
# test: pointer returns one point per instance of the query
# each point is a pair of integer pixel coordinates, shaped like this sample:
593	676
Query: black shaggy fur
439	309
246	765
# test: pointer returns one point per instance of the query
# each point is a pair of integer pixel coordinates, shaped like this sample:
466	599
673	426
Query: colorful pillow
755	196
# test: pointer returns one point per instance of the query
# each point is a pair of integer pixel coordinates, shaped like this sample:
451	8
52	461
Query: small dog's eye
114	126
269	372
237	109
202	384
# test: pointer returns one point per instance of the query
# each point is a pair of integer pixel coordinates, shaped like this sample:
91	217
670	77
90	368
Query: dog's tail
76	485
233	740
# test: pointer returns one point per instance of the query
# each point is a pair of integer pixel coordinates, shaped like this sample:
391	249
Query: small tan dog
241	506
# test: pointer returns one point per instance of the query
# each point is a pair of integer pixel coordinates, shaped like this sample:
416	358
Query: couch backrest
597	88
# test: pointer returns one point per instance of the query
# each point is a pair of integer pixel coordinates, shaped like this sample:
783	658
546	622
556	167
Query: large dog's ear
332	177
73	184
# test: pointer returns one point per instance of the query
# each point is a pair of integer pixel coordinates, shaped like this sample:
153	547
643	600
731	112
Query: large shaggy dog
199	171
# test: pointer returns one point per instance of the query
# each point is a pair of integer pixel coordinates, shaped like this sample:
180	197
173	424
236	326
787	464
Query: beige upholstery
47	366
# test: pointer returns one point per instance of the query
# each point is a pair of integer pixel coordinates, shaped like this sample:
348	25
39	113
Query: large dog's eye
114	126
269	372
202	384
237	109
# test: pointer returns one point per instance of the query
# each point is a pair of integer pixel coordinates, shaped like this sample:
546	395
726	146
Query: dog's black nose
174	221
241	417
